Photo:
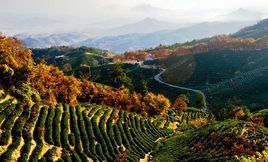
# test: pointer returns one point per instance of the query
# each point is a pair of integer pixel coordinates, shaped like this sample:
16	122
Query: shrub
39	127
66	156
4	105
75	157
20	122
56	127
75	129
124	137
98	134
83	131
110	132
117	135
36	152
43	159
102	125
8	124
6	156
90	133
28	136
5	113
65	127
133	142
25	150
49	154
99	152
71	138
49	125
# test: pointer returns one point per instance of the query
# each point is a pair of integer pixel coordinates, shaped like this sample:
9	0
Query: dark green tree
142	87
201	100
119	77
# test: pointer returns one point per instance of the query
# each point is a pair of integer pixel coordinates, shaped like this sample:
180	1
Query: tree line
22	76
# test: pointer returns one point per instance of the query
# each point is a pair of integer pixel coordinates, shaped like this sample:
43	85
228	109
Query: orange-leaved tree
15	62
156	104
18	70
181	103
53	85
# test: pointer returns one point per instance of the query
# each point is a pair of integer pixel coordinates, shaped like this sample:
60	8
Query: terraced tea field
229	140
83	133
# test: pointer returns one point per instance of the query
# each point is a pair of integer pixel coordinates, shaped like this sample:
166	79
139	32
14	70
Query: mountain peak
242	10
240	14
149	19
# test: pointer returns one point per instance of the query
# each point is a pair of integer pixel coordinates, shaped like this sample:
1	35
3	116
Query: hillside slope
238	77
222	141
82	133
248	88
87	132
72	60
255	31
212	67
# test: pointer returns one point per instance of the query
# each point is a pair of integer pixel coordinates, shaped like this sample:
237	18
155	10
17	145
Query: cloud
103	10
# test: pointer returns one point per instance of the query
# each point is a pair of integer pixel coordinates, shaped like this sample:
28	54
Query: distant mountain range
48	40
146	33
123	43
147	25
240	15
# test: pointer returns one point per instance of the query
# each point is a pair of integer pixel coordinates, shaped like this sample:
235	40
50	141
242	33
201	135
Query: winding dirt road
159	79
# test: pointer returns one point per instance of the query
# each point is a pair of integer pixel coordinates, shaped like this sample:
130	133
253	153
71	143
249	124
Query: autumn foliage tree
53	85
18	69
15	62
159	53
148	105
216	43
156	104
181	103
14	54
130	56
240	112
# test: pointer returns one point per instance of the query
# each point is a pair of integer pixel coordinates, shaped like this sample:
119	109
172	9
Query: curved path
159	79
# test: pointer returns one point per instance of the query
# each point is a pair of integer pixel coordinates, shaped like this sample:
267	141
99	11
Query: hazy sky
129	10
97	18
